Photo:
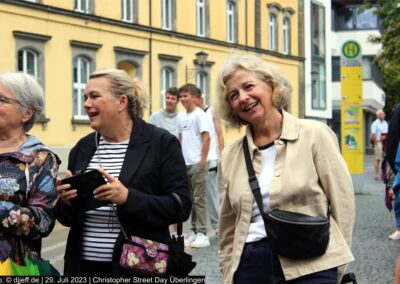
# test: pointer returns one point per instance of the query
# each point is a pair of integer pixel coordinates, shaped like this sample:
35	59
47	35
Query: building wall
56	20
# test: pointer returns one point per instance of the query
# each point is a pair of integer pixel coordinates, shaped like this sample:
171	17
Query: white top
213	151
101	227
165	120
378	127
190	126
257	228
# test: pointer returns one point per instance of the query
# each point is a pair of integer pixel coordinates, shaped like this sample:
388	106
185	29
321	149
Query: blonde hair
121	84
280	87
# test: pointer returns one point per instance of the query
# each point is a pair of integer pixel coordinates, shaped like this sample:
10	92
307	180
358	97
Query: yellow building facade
61	42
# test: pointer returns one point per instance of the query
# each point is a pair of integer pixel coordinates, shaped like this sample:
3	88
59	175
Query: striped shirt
101	227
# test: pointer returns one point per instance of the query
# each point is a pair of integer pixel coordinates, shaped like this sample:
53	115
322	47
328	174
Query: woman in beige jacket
299	168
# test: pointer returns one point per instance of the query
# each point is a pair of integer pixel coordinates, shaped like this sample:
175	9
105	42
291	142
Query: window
201	18
166	83
166	14
318	61
367	67
352	17
231	21
83	6
286	35
335	69
129	10
84	63
81	76
273	32
202	84
168	76
28	61
130	60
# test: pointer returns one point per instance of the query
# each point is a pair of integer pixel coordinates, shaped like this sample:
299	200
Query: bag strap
254	185
255	188
179	224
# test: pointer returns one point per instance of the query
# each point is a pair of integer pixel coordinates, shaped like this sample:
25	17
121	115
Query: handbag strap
255	188
254	185
179	224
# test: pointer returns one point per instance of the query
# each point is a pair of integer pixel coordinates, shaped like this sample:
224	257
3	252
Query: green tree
388	59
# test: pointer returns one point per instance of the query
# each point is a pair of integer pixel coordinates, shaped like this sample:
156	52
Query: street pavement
375	253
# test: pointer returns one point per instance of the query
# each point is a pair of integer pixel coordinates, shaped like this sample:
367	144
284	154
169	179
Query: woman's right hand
65	191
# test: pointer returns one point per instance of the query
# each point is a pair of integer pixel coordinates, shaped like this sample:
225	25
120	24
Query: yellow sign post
352	131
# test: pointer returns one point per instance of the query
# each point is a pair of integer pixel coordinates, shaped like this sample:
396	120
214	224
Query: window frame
78	6
128	15
79	87
286	35
164	85
203	83
25	52
88	51
166	11
319	94
231	21
201	17
35	43
272	31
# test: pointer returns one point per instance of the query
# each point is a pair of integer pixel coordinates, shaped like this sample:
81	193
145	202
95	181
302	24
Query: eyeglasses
6	100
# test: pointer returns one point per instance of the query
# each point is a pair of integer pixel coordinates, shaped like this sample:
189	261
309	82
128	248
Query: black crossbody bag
290	234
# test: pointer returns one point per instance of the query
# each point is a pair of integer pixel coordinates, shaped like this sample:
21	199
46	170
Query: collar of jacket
135	153
290	132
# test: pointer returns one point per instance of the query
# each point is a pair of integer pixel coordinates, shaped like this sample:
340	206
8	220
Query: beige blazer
309	173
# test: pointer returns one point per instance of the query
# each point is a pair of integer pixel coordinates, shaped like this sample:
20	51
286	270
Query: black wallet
85	184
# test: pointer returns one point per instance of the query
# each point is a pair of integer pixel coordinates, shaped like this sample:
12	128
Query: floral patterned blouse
27	197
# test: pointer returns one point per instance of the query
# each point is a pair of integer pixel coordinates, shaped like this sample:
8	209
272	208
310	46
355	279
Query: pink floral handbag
144	256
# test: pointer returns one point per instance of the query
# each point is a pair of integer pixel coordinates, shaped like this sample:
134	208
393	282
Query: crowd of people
146	164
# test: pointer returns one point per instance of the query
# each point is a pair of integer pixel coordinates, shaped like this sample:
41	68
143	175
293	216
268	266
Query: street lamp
201	60
201	57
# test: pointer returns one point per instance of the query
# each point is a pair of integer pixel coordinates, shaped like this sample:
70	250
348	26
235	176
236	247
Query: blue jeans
259	265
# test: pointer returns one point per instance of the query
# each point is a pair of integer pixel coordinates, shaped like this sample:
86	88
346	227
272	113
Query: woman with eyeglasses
143	165
28	170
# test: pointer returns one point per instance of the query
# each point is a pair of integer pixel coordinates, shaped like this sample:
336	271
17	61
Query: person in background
390	155
379	129
296	172
143	165
166	118
28	169
216	147
194	135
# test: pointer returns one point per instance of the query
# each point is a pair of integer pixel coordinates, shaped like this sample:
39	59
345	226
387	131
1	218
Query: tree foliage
388	59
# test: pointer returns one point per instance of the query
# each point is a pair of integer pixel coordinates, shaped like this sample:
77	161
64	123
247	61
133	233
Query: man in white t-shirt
193	132
379	129
216	147
166	118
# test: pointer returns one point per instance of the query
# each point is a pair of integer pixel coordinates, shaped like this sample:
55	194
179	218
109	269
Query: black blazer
152	170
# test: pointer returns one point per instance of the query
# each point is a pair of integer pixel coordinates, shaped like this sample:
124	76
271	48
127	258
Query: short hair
173	91
281	88
191	89
122	84
379	111
27	92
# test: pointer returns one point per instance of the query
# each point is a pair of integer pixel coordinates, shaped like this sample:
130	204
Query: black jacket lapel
136	152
